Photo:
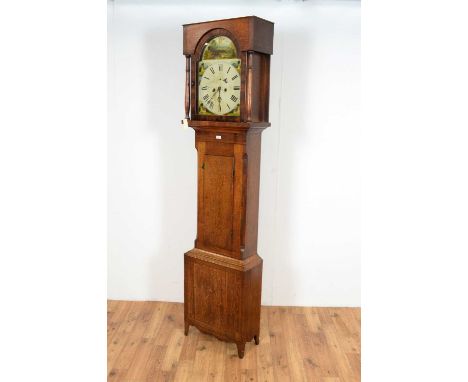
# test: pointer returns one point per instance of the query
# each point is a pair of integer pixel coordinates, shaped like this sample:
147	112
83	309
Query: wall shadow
175	160
289	118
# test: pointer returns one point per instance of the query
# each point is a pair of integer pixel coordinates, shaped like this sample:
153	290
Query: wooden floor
146	342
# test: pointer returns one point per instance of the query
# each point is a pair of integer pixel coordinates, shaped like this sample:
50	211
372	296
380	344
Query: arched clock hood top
253	33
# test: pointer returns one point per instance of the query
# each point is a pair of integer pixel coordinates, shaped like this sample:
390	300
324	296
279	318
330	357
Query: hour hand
214	93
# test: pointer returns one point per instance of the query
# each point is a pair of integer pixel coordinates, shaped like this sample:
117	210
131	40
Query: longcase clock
226	103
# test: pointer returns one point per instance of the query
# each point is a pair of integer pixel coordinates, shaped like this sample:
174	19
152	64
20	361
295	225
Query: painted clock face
219	78
219	87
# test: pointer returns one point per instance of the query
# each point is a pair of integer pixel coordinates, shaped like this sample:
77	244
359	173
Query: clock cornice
253	33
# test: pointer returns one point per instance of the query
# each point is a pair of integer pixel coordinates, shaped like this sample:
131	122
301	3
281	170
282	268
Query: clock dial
219	87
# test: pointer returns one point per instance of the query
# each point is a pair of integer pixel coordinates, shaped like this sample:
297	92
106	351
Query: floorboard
146	343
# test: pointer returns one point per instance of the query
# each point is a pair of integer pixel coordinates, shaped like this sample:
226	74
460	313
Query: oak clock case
226	103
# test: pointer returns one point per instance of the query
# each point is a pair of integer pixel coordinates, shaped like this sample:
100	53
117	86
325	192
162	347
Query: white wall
309	224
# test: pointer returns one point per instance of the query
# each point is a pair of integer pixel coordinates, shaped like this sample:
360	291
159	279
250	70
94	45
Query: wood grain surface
146	342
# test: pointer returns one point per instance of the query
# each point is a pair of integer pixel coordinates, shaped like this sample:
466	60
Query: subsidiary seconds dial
219	87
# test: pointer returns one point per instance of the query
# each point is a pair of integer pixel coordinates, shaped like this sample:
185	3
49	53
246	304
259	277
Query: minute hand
219	98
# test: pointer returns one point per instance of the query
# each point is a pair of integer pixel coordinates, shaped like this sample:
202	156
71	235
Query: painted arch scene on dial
219	80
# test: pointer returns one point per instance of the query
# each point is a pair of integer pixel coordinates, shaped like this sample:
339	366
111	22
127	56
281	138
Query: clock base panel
222	296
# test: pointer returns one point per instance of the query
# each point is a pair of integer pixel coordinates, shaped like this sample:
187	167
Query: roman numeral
234	98
229	108
211	70
206	97
229	69
233	78
206	77
236	87
211	104
220	67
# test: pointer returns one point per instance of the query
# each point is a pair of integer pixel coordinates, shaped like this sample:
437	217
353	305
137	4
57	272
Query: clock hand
212	95
219	97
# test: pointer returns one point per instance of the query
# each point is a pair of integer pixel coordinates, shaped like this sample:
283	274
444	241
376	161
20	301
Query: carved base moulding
223	295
